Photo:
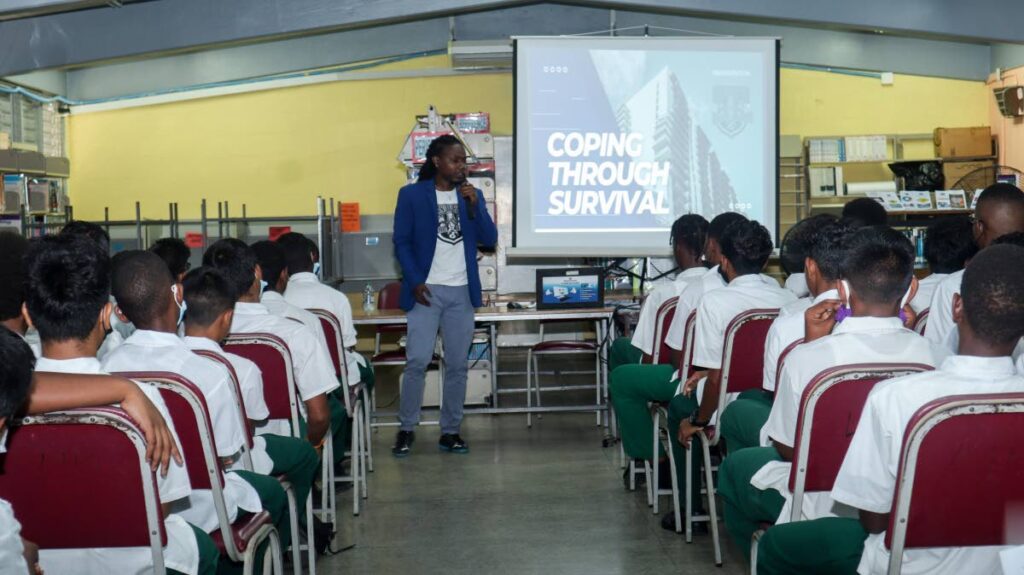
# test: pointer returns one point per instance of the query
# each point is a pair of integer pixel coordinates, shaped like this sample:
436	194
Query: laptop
570	288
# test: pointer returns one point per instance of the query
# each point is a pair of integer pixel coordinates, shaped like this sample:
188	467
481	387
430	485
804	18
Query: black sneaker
403	443
452	443
668	522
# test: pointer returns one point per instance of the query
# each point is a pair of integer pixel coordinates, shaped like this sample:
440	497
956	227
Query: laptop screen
570	288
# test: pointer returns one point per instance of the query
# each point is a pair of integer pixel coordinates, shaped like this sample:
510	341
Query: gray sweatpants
451	311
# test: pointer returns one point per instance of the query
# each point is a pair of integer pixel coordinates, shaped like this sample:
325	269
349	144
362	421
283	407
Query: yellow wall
276	150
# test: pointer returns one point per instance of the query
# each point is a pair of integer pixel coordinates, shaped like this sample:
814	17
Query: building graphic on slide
697	183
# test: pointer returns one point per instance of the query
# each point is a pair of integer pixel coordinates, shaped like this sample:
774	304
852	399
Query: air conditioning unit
481	53
1010	100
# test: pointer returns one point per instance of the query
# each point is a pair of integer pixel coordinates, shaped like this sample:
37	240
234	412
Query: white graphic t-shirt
449	265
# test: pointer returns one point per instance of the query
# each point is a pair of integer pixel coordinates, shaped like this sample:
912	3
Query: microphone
471	208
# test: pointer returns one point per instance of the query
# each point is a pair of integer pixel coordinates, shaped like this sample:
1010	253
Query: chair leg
688	496
754	541
632	475
675	484
536	381
310	549
529	387
650	489
354	465
293	522
597	371
657	438
712	506
362	450
367	407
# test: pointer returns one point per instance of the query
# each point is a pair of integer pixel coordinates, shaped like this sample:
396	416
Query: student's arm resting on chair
54	392
318	418
707	407
874	522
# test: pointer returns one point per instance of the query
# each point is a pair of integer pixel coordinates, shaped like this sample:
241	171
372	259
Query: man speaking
439	222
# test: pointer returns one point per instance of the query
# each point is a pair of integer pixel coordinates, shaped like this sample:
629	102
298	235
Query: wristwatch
694	421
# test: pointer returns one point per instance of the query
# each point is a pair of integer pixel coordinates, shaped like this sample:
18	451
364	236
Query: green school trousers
743	419
622	352
745	506
827	546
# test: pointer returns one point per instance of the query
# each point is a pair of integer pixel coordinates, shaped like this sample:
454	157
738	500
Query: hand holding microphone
468	193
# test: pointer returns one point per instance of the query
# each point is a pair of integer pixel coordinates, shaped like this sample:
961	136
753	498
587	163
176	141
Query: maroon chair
239	541
388	298
830	408
742	369
355	407
968	445
782	359
662	321
560	348
113	500
293	509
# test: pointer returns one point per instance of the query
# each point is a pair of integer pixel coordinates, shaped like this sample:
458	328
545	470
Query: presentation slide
617	137
569	290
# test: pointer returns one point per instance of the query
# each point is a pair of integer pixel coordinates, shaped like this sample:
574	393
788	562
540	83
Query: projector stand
644	275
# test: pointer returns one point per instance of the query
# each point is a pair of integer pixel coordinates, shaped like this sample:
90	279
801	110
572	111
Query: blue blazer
415	238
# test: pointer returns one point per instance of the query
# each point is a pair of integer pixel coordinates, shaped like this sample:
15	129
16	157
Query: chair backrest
332	335
388	296
79	479
782	359
830	408
662	321
239	402
743	351
272	356
921	323
960	475
686	356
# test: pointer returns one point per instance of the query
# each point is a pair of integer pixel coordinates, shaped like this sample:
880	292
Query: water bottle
368	303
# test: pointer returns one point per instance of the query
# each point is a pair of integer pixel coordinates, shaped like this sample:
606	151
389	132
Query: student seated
270	257
211	307
314	372
12	289
796	245
826	242
866	212
68	302
989	315
948	246
999	211
746	247
149	297
632	386
305	291
877	279
689	234
175	254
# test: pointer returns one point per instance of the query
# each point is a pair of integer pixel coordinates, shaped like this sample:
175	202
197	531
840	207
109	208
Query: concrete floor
542	500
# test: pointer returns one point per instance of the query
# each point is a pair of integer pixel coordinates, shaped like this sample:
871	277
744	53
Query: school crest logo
449	229
732	109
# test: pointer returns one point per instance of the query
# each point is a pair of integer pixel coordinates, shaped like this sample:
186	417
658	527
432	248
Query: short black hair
1001	194
235	260
1012	239
867	211
879	264
747	245
949	243
796	244
208	295
271	258
690	232
829	245
67	285
175	254
992	294
298	252
89	230
722	221
16	365
141	284
12	268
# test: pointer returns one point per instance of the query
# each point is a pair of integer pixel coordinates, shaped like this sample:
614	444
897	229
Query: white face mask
316	268
3	441
181	306
263	286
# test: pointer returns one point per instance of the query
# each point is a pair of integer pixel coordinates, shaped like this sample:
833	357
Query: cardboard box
953	171
963	142
5	141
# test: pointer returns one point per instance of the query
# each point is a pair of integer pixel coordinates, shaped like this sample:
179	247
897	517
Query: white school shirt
688	301
313	370
181	552
786	329
277	305
854	340
250	383
448	267
941	328
305	291
643	336
797	283
12	552
147	350
867	478
926	287
1020	362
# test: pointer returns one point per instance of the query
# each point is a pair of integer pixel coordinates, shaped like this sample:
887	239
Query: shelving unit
793	199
